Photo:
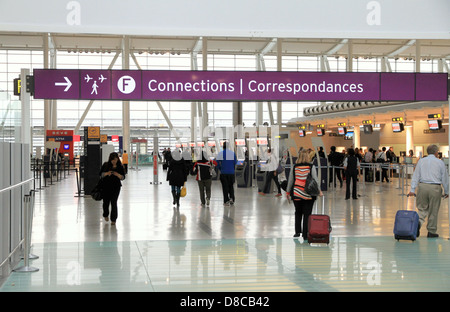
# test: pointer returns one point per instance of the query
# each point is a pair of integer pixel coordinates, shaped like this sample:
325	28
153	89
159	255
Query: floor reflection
260	264
244	247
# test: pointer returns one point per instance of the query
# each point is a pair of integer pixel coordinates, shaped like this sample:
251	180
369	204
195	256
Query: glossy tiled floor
246	247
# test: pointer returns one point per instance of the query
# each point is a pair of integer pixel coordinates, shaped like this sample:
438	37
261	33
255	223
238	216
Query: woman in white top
271	167
382	158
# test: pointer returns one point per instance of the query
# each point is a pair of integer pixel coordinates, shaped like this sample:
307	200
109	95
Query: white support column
205	104
448	200
126	104
25	111
357	136
324	67
54	103
259	104
194	66
47	103
350	56
440	65
418	56
409	138
279	68
193	120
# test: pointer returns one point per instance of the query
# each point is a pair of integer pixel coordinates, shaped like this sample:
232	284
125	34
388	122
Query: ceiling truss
360	48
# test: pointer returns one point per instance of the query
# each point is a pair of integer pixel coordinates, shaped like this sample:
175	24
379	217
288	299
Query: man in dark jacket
202	170
335	159
351	167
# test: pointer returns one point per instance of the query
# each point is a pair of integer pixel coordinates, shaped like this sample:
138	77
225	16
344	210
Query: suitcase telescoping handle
316	205
403	204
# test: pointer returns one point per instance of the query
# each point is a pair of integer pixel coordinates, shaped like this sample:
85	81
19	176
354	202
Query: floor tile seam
141	258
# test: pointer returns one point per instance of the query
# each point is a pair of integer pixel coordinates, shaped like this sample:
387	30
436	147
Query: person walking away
335	160
368	156
167	157
391	158
177	173
321	152
226	162
382	158
112	173
303	202
271	170
368	171
351	167
429	179
202	170
125	161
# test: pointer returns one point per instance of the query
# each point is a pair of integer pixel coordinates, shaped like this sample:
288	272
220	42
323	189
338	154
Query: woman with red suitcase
295	190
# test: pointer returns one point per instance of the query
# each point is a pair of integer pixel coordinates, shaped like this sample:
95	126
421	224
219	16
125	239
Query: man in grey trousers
429	178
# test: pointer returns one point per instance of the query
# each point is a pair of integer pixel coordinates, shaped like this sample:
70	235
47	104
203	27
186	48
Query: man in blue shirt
226	161
429	177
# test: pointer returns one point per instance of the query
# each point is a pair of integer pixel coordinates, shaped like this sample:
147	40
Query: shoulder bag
97	191
311	185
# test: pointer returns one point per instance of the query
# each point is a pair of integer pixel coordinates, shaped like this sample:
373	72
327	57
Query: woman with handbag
112	173
297	191
177	173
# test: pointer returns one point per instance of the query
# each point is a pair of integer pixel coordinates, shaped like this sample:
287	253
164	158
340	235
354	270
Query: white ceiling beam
337	47
402	48
269	46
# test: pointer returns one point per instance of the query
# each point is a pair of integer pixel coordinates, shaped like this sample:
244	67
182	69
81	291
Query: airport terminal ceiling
434	56
393	49
360	48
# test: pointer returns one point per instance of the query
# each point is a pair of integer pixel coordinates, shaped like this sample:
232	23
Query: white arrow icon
67	84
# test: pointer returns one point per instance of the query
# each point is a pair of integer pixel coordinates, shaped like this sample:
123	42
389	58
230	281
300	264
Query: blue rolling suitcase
406	225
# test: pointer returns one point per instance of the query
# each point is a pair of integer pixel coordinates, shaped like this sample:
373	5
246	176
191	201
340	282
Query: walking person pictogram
94	87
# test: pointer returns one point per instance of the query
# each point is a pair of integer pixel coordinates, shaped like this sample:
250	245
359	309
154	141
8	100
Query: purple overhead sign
168	85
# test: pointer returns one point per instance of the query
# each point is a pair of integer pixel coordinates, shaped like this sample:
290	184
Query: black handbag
311	185
97	191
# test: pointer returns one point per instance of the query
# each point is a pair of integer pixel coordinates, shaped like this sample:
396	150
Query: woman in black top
177	173
112	173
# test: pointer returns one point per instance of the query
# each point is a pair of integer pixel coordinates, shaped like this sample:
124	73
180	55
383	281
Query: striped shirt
297	180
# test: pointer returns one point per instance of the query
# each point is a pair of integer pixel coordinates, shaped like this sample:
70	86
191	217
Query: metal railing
27	221
45	173
28	201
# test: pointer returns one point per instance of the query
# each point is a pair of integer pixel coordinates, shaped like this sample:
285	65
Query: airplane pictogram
87	78
102	78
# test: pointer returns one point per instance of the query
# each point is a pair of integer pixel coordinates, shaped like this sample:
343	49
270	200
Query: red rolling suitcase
319	226
319	229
